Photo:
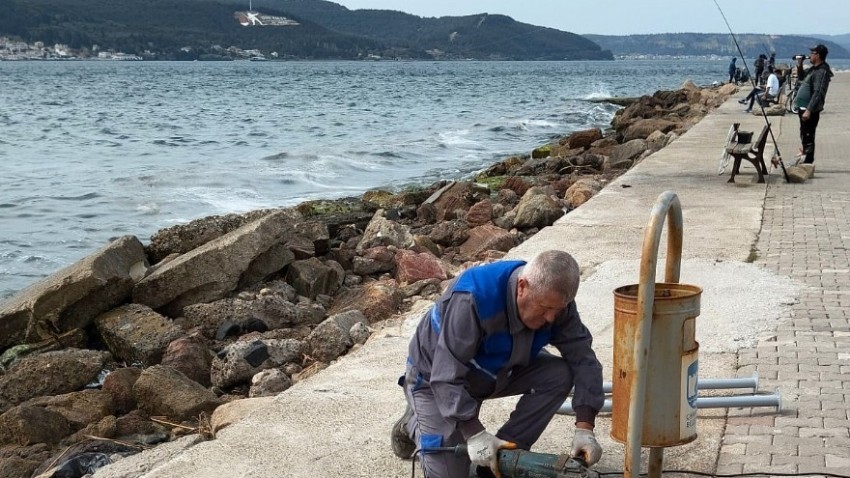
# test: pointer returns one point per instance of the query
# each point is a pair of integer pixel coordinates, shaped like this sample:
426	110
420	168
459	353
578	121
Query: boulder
642	128
73	296
119	383
312	277
450	233
583	139
242	360
21	461
269	383
162	390
182	238
190	356
135	333
384	232
213	270
374	260
629	150
412	267
487	237
78	408
29	424
377	300
76	338
52	373
480	213
537	209
331	338
581	191
451	197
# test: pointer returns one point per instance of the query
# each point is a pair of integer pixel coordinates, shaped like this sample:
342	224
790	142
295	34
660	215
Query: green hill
704	44
192	29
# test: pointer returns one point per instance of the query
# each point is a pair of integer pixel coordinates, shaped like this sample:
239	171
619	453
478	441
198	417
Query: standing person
771	91
772	60
732	69
760	68
811	98
484	339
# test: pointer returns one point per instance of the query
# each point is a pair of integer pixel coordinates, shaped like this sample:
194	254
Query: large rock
384	232
29	424
21	462
312	277
583	139
162	390
378	300
190	356
136	333
629	150
641	129
242	360
487	237
412	267
269	383
537	209
119	383
213	270
183	238
78	408
581	191
51	373
332	338
73	296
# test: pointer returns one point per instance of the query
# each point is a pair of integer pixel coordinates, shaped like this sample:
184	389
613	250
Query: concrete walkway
771	258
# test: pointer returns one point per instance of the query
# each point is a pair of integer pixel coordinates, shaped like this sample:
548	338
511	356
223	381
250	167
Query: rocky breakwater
139	344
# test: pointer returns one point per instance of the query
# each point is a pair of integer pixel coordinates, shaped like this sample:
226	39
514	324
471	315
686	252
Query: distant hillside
191	29
480	36
703	44
843	40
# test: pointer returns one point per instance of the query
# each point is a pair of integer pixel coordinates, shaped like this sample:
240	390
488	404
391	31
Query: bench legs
758	163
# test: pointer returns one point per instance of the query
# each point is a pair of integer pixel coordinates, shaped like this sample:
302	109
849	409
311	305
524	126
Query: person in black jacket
811	98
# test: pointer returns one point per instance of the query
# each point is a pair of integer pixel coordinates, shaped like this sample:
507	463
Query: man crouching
484	339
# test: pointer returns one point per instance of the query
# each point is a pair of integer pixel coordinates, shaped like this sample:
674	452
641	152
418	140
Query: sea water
92	150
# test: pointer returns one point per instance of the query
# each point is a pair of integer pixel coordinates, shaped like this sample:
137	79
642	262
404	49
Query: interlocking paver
805	235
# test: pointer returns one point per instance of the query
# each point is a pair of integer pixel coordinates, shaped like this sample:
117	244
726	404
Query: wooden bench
752	152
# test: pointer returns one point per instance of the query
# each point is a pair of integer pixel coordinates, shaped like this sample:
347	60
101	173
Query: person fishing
811	98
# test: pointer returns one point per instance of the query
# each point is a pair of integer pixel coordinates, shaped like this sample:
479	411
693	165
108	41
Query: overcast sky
624	17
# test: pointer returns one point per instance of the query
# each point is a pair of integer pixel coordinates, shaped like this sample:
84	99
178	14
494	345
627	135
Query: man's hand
806	115
483	449
586	446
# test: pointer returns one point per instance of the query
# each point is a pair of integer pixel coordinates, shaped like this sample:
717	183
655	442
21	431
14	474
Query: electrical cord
737	475
685	472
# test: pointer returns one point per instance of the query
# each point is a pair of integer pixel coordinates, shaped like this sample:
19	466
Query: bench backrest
759	145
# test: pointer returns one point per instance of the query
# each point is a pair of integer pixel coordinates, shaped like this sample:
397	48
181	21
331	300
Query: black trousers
807	134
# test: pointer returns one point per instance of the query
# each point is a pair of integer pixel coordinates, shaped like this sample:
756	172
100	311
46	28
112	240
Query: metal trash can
670	404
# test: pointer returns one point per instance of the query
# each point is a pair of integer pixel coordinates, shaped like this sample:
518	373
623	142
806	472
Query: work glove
483	449
586	447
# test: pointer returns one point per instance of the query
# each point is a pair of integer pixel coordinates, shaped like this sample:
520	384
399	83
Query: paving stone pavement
805	235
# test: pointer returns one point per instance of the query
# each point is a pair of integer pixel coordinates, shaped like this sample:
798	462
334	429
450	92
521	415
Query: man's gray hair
555	271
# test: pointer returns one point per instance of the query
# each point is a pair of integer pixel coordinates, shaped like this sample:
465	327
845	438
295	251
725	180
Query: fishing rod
777	156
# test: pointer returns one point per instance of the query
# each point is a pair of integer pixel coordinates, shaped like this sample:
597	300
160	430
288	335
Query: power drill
525	464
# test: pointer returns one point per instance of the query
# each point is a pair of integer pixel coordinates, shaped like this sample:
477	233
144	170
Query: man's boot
403	445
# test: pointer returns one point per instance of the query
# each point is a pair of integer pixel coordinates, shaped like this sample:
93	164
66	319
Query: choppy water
94	150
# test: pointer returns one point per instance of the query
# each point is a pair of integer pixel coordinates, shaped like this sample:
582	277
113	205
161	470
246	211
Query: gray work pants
544	385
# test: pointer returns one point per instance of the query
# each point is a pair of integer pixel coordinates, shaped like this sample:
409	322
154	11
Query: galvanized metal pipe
734	401
713	383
